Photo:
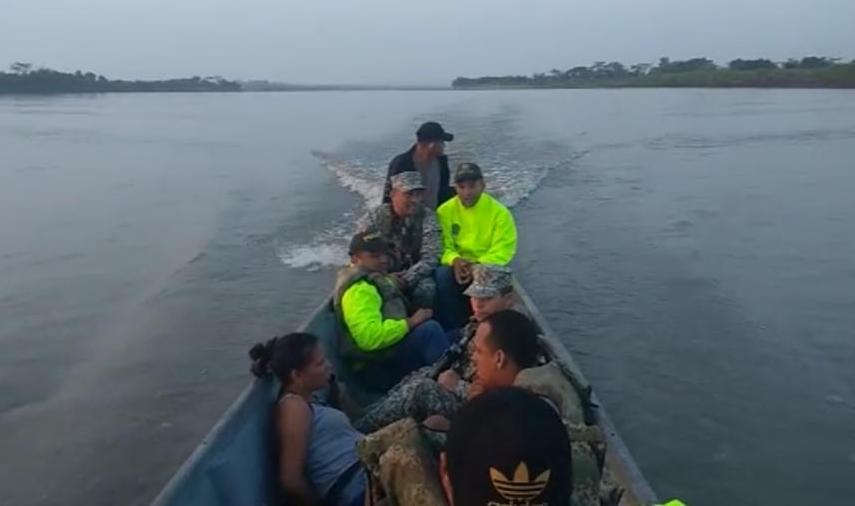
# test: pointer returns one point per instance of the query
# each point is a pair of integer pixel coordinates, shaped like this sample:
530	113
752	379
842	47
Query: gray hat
490	281
407	181
467	172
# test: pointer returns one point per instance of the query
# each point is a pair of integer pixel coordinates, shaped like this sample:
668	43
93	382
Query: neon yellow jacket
484	233
362	308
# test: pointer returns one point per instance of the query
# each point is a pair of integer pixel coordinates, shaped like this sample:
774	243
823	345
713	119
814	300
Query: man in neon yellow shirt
378	339
476	228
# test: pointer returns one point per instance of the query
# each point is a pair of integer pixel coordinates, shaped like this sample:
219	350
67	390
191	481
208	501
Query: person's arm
362	308
294	425
447	191
504	245
387	187
430	252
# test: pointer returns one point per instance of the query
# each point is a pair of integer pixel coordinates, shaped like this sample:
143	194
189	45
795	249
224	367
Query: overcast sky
406	41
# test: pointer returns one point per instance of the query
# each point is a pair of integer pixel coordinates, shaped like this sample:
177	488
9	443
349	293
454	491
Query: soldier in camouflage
506	353
441	388
414	236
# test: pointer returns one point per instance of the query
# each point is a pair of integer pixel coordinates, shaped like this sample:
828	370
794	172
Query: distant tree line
810	72
24	78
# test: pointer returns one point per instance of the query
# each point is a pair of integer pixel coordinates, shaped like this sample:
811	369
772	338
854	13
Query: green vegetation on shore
23	78
809	72
263	85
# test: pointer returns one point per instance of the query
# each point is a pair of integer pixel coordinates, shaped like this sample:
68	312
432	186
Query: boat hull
234	464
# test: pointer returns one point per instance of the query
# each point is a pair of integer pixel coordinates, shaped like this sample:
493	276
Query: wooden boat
233	466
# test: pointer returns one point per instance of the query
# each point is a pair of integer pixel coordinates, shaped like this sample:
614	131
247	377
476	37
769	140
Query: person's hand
476	389
449	380
398	278
437	422
420	316
462	271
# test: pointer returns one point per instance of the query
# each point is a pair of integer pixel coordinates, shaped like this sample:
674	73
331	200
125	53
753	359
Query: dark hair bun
260	354
282	355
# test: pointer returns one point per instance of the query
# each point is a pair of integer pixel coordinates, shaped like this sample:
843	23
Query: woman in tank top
317	444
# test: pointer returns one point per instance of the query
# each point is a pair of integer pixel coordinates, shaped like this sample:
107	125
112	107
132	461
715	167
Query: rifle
451	355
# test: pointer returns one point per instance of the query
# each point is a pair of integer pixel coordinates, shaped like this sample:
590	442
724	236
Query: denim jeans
452	307
422	346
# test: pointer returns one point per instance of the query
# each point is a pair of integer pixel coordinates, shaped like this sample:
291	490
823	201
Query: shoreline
449	89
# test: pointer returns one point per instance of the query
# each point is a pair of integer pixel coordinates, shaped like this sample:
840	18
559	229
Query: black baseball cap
432	132
523	456
368	241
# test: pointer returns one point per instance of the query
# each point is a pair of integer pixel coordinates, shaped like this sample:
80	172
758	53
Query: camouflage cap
490	281
467	172
407	181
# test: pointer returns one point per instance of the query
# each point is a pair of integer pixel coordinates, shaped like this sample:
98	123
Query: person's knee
436	332
424	293
444	277
430	340
432	326
439	341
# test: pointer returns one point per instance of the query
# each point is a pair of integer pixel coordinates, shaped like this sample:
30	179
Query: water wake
513	170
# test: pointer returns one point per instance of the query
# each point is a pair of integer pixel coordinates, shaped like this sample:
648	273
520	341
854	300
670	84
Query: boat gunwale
618	457
200	452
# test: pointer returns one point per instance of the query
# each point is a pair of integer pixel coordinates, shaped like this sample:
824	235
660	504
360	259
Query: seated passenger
520	437
317	461
507	352
420	395
413	235
522	456
379	341
476	229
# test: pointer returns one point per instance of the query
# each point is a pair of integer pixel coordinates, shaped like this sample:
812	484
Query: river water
694	249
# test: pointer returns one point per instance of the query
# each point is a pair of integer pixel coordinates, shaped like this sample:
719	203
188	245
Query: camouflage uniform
401	466
402	456
419	395
587	443
415	241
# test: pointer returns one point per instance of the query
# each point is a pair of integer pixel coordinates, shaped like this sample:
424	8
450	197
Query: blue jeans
452	307
422	346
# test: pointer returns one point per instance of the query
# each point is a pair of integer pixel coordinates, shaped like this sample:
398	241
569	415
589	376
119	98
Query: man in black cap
426	157
521	457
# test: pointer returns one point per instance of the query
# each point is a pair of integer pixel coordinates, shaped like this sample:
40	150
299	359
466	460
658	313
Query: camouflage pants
416	397
422	293
402	464
588	451
401	458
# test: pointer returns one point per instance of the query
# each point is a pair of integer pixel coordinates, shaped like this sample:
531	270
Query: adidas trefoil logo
521	489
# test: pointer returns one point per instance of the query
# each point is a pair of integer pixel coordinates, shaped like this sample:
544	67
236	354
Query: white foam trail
329	247
314	256
512	183
357	179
